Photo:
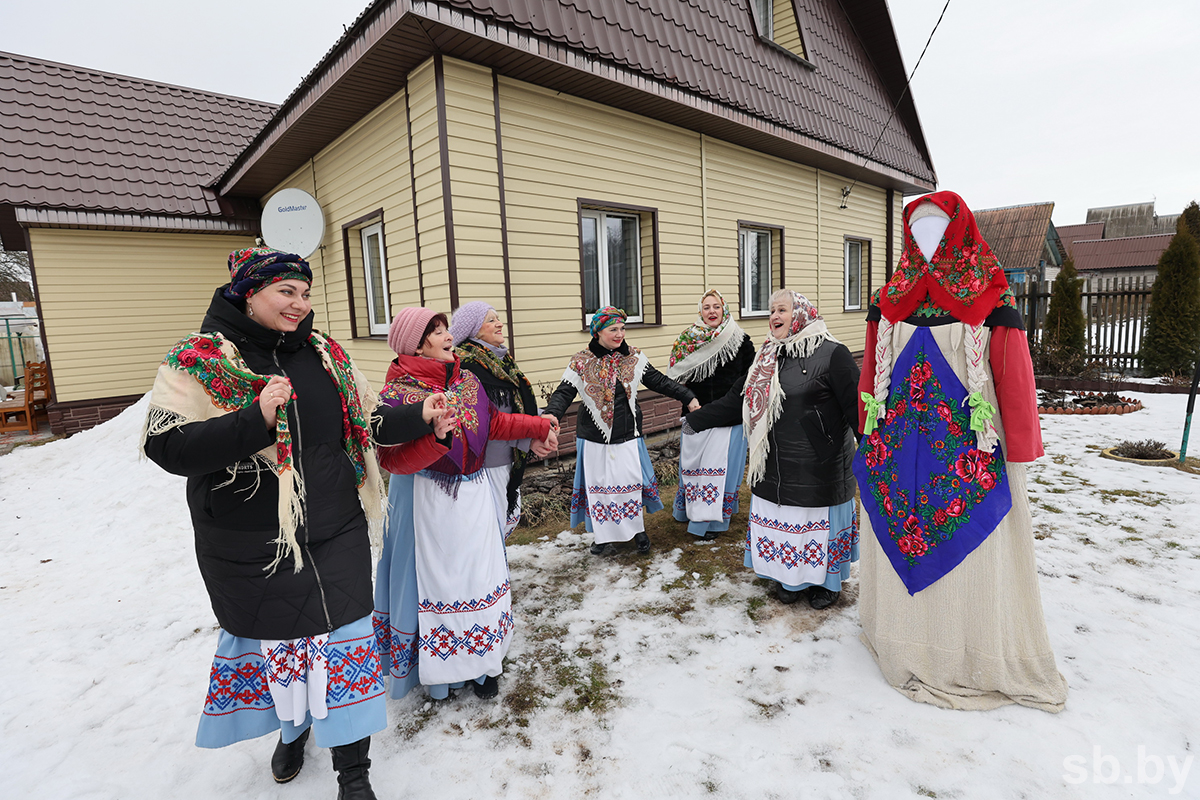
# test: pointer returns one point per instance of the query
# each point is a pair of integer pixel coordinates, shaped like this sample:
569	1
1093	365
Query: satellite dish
292	221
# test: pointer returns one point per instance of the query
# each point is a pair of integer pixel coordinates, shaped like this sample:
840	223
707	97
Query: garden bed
1052	401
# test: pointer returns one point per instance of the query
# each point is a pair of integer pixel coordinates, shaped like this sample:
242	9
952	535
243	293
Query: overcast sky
1082	102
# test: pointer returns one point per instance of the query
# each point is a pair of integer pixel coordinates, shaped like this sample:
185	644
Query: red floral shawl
964	279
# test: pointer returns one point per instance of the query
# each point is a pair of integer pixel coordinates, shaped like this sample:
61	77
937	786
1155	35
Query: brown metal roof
1016	234
94	143
1128	252
694	63
1069	234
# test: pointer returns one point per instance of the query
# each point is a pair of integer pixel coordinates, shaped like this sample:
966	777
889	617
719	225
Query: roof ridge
134	78
1020	205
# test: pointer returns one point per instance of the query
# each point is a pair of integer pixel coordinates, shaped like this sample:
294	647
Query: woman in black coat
614	479
799	409
274	428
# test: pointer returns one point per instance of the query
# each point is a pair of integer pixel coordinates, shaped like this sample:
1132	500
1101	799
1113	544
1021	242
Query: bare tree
14	275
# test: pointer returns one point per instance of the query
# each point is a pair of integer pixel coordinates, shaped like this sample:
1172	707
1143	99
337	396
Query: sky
1085	103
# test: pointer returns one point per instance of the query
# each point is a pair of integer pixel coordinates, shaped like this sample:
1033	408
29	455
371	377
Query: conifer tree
1173	327
1063	344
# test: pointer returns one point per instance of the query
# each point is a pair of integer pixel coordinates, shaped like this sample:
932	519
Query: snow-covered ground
626	680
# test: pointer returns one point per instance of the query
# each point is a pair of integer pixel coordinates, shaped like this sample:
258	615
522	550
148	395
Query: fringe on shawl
683	372
759	440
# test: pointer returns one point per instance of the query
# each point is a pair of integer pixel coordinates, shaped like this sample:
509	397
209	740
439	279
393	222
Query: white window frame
748	309
863	245
373	302
605	290
761	9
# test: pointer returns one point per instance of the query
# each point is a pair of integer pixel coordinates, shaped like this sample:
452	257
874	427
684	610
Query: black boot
787	596
288	758
351	763
822	597
488	689
603	549
642	540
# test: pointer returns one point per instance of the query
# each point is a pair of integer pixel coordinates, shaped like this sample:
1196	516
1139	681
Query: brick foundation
80	415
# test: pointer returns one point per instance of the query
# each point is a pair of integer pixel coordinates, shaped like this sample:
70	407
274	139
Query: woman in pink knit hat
443	615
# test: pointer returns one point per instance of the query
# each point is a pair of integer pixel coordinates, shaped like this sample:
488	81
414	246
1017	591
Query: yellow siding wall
365	169
787	32
113	302
557	149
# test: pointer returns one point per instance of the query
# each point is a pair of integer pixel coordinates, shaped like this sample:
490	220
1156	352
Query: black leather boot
642	540
488	689
351	763
289	758
822	598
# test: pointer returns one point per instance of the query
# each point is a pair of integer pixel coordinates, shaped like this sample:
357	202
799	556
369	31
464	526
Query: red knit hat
404	336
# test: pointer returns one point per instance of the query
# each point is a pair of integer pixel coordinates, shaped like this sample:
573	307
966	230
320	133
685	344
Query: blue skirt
396	602
734	471
843	525
239	704
651	502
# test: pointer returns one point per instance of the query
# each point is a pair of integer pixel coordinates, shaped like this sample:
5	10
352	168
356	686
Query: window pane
374	265
591	268
624	272
762	269
853	274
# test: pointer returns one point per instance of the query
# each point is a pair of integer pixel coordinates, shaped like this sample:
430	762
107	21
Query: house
1023	239
546	157
1069	234
103	182
1124	263
1132	219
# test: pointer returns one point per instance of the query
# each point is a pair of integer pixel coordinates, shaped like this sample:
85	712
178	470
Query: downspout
818	303
704	214
312	165
891	241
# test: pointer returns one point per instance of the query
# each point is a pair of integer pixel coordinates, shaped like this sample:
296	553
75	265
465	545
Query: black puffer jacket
717	385
812	443
623	429
236	523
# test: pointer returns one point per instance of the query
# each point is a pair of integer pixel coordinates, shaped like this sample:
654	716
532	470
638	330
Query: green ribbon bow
981	411
873	407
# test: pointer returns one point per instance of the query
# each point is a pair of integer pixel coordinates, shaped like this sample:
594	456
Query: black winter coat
623	428
717	385
812	443
236	523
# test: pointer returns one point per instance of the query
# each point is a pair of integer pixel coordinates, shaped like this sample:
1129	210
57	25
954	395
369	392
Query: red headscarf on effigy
964	279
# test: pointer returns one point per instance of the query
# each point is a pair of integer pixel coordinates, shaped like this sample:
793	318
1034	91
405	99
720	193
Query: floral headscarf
762	400
699	350
963	278
605	316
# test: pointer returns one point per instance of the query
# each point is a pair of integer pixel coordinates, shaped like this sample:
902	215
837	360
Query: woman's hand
277	392
433	408
545	448
444	424
553	420
695	404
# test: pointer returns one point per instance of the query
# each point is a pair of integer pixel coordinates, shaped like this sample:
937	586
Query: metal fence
16	347
1114	309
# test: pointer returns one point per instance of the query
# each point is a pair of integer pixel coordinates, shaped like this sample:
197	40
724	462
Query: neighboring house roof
81	147
1128	252
1020	236
1132	219
694	63
1069	234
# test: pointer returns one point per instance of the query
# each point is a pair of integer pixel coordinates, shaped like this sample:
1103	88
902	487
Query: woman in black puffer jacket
273	427
799	409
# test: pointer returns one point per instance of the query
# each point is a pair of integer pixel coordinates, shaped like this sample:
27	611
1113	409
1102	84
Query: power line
847	190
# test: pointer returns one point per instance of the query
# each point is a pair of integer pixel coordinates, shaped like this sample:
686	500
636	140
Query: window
764	15
857	267
760	266
374	261
618	249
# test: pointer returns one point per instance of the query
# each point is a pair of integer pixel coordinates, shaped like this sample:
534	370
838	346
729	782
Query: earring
249	310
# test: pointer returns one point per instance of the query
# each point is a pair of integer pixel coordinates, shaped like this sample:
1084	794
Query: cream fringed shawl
204	376
762	399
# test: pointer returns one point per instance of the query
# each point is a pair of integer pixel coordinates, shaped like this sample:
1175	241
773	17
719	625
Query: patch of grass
1174	546
592	692
1048	507
924	791
1128	539
418	721
1144	497
1059	459
753	606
